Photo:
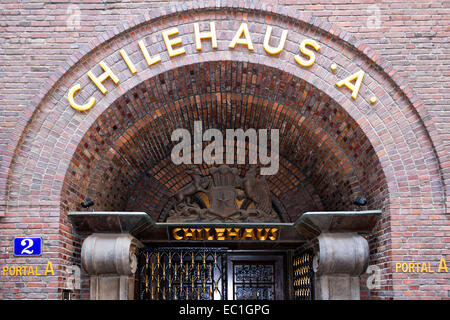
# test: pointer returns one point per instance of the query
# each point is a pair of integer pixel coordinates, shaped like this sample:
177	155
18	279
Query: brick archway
400	140
326	160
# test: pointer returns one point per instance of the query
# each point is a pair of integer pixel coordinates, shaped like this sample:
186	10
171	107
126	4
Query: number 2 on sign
24	243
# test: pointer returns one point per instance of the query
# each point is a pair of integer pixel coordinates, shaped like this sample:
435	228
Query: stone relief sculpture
198	184
257	190
223	196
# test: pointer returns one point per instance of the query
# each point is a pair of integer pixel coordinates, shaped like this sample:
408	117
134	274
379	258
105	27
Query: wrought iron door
303	275
253	277
182	274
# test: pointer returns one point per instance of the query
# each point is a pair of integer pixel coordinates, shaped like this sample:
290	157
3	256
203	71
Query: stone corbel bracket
109	253
104	253
111	262
341	253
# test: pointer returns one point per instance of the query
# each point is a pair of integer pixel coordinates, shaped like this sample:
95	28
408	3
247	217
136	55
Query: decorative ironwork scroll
182	274
303	275
254	281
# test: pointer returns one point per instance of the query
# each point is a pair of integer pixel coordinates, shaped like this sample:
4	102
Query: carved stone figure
198	184
257	190
221	197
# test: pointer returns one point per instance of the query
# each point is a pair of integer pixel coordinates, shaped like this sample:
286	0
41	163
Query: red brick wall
39	39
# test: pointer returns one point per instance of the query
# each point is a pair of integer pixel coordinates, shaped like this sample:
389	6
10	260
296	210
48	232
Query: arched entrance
332	147
325	158
323	152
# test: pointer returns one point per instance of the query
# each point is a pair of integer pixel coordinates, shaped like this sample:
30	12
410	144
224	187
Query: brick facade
394	152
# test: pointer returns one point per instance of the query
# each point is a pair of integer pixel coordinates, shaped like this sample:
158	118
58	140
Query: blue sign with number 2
27	246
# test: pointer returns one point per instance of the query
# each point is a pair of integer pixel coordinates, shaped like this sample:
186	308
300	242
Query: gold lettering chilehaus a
173	43
222	234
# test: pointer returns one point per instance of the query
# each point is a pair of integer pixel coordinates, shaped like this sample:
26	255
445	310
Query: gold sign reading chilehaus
222	234
173	42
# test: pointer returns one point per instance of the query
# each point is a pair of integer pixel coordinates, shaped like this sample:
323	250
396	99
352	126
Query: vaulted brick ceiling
124	162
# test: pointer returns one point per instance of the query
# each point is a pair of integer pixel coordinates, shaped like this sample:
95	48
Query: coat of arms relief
223	196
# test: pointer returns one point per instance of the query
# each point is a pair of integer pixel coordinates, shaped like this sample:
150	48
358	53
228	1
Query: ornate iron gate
182	274
256	276
303	275
254	281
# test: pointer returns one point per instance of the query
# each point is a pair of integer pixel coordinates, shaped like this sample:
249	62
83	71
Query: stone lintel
312	224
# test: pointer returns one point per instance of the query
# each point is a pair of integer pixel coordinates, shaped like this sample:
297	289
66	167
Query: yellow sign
221	234
27	270
174	45
420	267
